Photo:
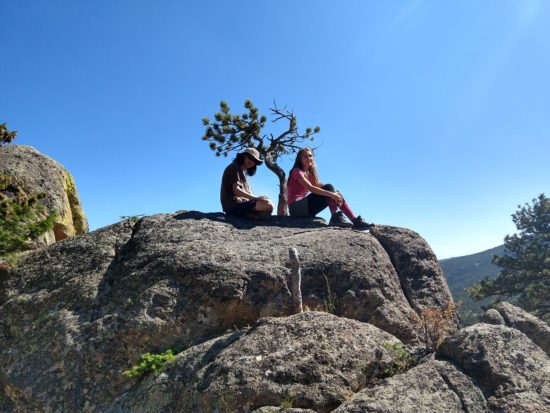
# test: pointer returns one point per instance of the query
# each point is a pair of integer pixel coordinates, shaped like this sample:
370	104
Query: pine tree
6	136
234	133
525	267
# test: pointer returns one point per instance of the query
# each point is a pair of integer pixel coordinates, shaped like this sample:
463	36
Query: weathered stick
296	280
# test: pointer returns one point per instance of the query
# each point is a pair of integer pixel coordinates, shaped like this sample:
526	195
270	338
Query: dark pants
316	203
243	208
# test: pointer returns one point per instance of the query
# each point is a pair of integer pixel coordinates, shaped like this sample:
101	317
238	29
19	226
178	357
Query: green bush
22	218
150	363
402	360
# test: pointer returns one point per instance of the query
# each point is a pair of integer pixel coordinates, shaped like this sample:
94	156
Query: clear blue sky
435	115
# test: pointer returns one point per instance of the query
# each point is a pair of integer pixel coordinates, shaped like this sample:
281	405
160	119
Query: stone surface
512	372
434	386
534	328
311	360
38	173
492	316
273	409
421	276
77	313
53	354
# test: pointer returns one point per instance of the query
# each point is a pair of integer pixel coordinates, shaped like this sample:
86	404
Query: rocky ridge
215	289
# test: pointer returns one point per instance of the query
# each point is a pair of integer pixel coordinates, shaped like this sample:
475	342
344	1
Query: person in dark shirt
235	194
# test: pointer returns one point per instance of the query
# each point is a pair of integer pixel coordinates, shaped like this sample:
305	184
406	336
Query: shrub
437	323
22	218
150	363
402	360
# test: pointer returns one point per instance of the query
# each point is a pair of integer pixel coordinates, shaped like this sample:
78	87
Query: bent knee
328	187
264	205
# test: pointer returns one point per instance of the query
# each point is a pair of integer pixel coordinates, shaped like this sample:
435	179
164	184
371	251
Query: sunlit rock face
38	173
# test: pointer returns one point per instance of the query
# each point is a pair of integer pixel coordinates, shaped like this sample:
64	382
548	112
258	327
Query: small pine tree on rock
6	136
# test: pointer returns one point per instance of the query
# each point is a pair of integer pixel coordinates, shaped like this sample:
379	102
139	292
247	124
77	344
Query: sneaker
360	224
338	220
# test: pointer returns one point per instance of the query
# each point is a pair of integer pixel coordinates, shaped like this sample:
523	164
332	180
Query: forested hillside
462	272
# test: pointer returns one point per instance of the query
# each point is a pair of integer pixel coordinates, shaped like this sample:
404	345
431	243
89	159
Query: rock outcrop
312	360
434	386
37	173
81	311
421	276
537	330
75	314
512	371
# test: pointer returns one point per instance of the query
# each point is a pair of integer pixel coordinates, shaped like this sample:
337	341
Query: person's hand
262	197
337	196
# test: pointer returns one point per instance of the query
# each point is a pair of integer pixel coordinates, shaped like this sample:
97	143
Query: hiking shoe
338	220
360	224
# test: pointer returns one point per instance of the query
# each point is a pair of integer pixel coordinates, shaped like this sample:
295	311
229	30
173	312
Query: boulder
310	360
512	372
51	355
492	316
420	274
37	173
81	311
434	386
534	328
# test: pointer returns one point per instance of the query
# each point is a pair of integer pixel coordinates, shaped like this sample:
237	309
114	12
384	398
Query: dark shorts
243	208
310	205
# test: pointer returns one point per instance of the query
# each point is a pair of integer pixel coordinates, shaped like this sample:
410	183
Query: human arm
239	192
306	183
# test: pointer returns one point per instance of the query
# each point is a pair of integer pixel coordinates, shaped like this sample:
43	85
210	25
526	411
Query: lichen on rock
38	173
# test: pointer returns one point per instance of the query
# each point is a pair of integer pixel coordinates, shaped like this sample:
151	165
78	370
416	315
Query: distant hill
462	272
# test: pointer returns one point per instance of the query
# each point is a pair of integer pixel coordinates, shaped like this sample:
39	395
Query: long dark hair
312	171
239	159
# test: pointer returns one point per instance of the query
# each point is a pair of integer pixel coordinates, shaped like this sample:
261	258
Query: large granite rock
420	274
311	360
434	386
481	368
512	372
534	328
37	173
77	313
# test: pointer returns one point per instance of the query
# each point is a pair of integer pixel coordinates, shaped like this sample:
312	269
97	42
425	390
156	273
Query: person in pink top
307	196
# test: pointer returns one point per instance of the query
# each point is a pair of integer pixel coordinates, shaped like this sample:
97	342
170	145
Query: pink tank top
295	189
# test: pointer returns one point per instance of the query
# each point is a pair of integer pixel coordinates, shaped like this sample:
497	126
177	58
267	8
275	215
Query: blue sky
434	115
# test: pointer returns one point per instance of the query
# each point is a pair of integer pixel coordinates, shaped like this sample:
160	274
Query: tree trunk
270	161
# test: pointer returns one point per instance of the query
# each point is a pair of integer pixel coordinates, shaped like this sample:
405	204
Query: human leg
358	222
263	205
299	208
316	203
243	208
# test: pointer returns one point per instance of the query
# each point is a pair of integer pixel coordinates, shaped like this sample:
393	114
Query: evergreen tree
6	136
525	266
234	133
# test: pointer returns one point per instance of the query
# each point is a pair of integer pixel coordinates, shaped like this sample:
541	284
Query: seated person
303	180
235	195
